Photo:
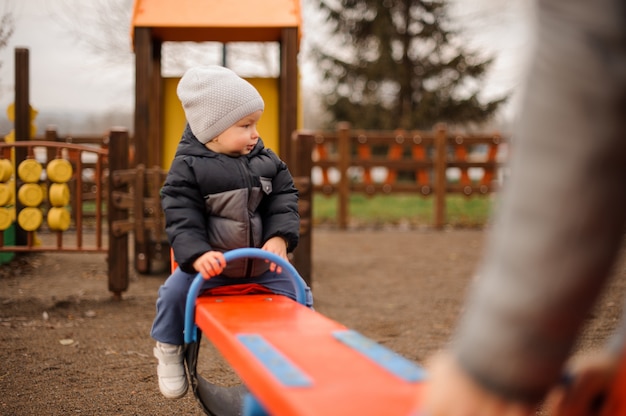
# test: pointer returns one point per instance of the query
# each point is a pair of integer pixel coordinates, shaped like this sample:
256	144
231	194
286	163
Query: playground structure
132	204
124	194
47	176
130	170
42	196
158	127
292	360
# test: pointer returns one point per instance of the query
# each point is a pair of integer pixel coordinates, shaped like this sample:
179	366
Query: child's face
239	139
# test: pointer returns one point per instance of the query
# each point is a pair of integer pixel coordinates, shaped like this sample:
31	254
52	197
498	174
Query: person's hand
210	264
278	246
588	383
451	392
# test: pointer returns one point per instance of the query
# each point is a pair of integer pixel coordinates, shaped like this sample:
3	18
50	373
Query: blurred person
556	235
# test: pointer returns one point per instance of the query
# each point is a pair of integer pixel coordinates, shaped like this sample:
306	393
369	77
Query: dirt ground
67	348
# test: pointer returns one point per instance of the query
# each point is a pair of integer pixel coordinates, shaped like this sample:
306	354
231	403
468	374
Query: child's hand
587	390
278	246
210	264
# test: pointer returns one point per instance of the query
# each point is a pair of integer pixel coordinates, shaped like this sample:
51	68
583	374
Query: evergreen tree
398	64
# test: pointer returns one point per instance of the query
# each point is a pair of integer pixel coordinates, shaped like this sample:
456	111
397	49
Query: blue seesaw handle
239	253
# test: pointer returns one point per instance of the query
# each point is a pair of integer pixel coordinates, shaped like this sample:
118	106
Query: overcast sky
64	75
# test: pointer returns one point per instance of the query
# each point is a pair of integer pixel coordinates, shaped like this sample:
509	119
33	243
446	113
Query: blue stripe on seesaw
275	362
384	357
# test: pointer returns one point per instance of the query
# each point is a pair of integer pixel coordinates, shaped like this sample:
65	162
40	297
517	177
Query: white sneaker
171	370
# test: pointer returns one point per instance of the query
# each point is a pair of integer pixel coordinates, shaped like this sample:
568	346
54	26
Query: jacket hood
189	145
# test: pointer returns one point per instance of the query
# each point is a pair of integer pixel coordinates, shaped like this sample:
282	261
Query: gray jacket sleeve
558	228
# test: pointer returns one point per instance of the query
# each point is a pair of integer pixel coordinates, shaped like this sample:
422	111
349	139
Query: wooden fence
36	218
88	185
428	163
32	191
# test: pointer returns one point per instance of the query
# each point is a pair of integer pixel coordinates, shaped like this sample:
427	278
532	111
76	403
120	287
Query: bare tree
7	27
102	27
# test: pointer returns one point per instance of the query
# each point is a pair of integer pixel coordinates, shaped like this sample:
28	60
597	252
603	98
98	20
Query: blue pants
169	322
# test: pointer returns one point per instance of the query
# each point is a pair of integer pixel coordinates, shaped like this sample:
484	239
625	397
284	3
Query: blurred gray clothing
559	228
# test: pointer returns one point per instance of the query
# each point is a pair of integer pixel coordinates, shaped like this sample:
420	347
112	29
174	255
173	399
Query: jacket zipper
246	174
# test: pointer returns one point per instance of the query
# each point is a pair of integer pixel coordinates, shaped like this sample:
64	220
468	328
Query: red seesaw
292	359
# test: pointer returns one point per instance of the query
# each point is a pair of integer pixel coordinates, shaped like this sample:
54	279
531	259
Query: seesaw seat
295	361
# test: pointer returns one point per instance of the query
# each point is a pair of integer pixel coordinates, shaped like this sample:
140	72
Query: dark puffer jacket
213	201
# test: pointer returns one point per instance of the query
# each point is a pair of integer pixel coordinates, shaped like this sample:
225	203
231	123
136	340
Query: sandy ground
67	348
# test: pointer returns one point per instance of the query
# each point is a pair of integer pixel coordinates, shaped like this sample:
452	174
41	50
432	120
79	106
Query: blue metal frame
194	290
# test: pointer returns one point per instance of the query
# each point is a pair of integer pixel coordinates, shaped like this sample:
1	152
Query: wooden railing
89	185
429	163
29	210
125	199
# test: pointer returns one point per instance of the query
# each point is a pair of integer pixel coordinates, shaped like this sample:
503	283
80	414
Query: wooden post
302	147
440	175
118	245
143	82
155	133
51	136
159	246
288	95
343	147
141	244
147	137
22	127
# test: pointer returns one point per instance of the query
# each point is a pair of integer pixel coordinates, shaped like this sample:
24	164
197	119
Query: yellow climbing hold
11	117
59	170
30	194
6	170
6	194
30	218
6	218
59	219
59	194
29	171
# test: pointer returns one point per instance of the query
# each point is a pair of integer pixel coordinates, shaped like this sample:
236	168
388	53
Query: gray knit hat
214	98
